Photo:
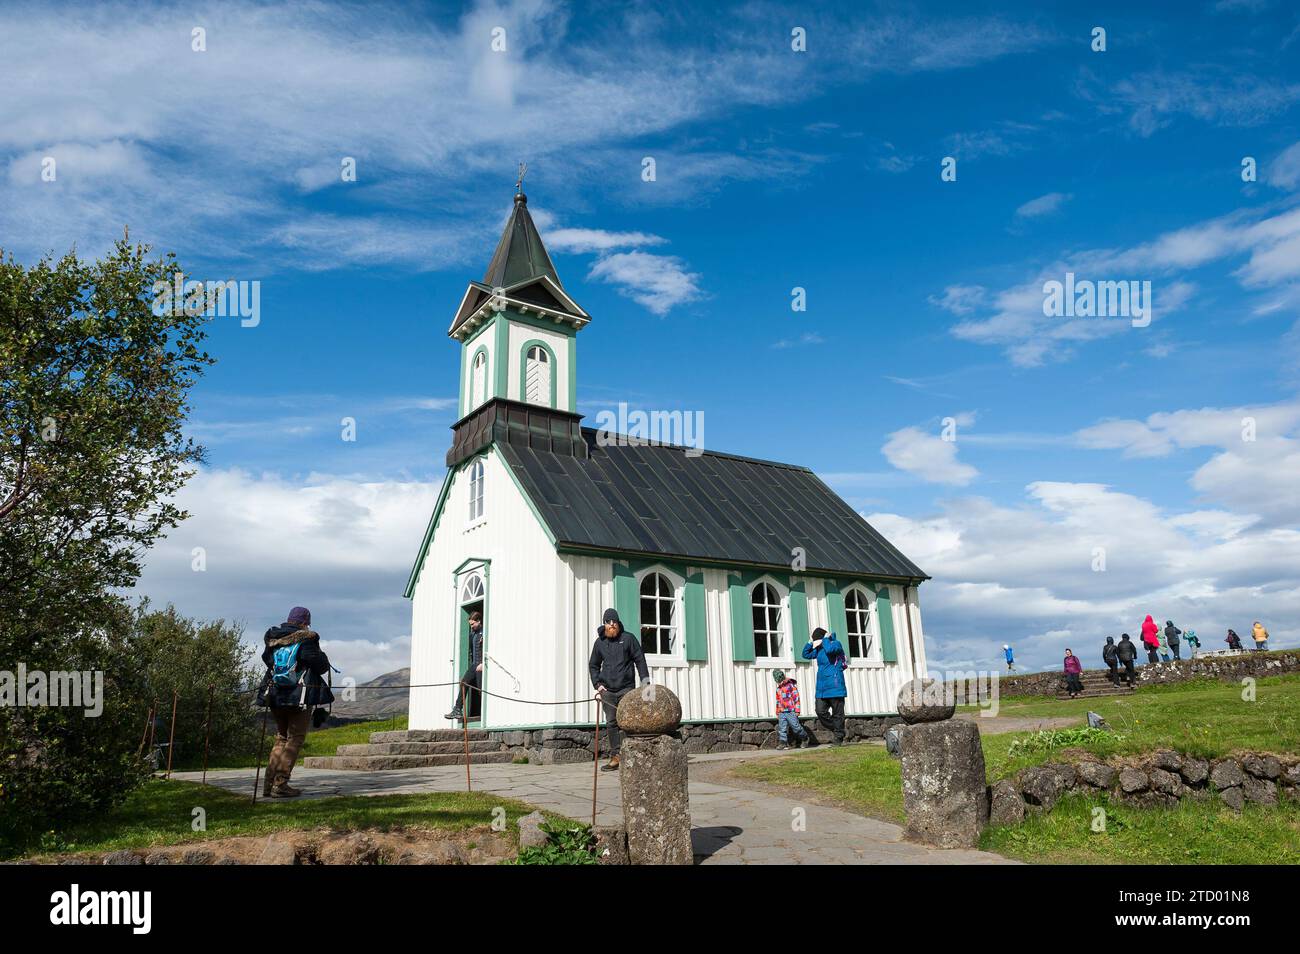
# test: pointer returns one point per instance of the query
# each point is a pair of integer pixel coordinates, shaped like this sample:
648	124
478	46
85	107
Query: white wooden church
541	528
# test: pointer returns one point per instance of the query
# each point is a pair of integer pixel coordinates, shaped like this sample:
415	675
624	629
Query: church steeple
520	254
518	326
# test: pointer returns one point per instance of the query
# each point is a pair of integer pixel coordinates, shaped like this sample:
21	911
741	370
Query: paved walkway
730	824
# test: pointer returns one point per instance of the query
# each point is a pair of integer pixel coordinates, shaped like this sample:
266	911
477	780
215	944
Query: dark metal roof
659	500
520	254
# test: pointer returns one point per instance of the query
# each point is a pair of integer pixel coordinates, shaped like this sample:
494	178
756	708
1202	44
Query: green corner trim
502	329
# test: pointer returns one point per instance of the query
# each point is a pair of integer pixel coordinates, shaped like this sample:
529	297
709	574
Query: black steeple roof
520	255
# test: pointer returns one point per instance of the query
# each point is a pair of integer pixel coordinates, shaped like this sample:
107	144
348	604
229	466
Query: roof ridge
627	439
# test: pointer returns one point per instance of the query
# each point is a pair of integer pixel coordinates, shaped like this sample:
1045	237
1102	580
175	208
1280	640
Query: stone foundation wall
558	746
1161	778
1225	668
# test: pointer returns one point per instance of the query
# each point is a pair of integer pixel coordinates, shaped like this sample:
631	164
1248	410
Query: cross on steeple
519	183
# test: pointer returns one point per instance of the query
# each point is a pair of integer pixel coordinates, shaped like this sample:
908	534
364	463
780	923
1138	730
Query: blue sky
775	169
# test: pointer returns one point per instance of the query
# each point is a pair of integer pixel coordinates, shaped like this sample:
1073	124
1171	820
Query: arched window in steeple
478	380
538	376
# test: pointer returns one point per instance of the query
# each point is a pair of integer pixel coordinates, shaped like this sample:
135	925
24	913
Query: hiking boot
453	715
611	765
285	790
781	747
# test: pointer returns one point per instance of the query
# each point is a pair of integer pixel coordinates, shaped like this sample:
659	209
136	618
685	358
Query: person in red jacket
1073	669
1151	638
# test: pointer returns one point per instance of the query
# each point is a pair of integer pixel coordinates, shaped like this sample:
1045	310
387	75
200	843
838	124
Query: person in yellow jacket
1260	634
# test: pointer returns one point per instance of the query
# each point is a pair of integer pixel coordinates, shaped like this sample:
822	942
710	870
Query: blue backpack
284	666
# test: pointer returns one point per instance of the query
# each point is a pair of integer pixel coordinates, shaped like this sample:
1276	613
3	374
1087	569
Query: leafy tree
93	397
189	656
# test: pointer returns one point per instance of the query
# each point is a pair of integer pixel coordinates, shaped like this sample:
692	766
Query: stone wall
558	746
1160	778
1225	668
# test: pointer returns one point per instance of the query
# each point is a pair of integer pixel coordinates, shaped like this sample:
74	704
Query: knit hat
300	616
779	676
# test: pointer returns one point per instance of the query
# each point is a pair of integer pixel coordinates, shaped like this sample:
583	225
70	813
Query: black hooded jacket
1110	652
1126	651
615	662
312	690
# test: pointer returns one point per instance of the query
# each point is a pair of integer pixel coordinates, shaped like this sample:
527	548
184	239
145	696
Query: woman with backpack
291	688
831	690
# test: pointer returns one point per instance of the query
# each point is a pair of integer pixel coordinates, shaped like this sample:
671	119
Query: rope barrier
147	741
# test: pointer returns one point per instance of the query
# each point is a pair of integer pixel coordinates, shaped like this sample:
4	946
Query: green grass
1202	717
1194	832
1205	718
160	813
319	742
862	778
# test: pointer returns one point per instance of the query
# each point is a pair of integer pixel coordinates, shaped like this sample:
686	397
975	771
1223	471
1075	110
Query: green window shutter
742	621
697	627
835	614
626	599
885	615
798	621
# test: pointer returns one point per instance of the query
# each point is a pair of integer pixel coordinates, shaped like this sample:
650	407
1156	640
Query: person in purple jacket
1073	669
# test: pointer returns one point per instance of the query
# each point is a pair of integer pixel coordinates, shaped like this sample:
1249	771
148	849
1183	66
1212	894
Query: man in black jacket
1126	652
616	660
291	702
472	677
1110	655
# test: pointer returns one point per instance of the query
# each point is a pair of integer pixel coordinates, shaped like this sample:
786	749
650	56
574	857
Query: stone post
945	794
652	770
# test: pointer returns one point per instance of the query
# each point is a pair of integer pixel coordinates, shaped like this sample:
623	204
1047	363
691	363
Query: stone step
427	735
419	748
380	763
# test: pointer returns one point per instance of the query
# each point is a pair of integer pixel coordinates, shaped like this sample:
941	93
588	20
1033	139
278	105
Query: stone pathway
730	824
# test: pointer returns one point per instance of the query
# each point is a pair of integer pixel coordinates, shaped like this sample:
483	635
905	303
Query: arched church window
658	605
478	388
537	376
476	489
766	603
472	590
857	616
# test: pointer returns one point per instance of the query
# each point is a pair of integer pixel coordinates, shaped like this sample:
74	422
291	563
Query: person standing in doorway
831	690
616	662
1126	653
1110	656
472	678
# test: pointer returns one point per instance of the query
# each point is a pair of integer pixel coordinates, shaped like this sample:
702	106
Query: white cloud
1269	237
1154	98
659	282
1284	171
928	456
578	241
1043	205
960	299
342	548
1025	574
